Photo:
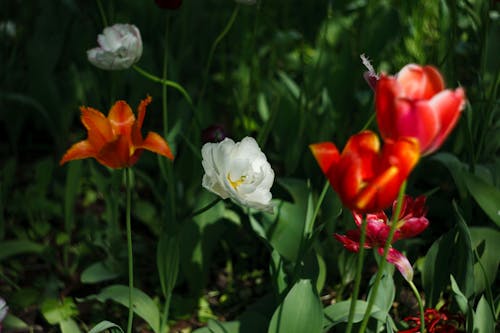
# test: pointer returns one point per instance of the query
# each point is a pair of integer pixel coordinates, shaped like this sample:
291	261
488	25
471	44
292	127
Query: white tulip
120	46
239	171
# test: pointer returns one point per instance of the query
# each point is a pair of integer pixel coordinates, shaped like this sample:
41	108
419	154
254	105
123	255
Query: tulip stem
420	305
214	46
381	268
357	281
207	207
164	82
128	176
103	14
318	205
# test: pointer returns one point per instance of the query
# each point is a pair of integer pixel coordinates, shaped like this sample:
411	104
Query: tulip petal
400	261
116	154
155	143
419	82
98	127
121	118
136	128
416	119
78	151
448	106
386	91
326	154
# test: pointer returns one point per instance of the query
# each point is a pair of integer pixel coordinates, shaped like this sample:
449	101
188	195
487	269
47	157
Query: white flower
120	46
3	310
239	171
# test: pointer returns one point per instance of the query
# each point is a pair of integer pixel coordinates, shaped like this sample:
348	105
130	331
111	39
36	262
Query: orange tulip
116	141
366	178
415	104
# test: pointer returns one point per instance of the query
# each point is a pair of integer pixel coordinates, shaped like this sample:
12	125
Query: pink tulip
411	222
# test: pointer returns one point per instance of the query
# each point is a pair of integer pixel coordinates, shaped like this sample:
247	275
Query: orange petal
122	118
326	154
419	82
116	154
155	143
98	127
141	112
78	151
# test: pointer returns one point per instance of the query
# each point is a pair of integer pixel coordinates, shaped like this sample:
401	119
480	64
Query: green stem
214	46
164	82
420	306
318	205
103	14
204	209
381	268
128	176
357	281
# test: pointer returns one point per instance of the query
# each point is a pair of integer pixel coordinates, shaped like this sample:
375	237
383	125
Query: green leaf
484	321
486	242
55	311
301	311
456	168
167	260
14	323
449	255
16	247
98	272
143	305
339	312
69	326
286	232
459	296
106	325
487	196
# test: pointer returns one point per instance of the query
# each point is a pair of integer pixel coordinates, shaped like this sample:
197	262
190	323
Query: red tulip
366	178
411	222
116	141
414	104
436	321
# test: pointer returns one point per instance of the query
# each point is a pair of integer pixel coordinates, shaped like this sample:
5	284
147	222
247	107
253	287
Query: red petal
78	151
448	106
116	154
386	92
416	119
326	154
98	127
155	143
420	82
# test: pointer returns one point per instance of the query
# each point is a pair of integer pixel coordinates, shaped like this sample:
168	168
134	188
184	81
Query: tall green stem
164	82
214	46
420	305
128	176
381	268
357	281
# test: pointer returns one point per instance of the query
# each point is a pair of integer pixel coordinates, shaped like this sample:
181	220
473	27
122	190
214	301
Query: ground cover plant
249	166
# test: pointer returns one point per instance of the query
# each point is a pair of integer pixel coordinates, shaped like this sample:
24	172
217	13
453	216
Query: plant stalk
128	176
387	245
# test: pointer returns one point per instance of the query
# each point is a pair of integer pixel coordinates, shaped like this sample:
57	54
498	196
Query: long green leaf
339	312
16	247
106	325
301	311
487	196
143	305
